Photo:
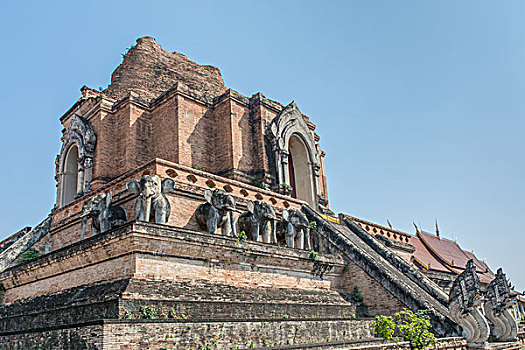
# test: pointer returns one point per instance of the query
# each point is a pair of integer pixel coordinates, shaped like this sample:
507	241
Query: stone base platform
159	287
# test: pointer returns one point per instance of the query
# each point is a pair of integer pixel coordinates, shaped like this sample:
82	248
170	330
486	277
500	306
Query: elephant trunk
147	209
84	224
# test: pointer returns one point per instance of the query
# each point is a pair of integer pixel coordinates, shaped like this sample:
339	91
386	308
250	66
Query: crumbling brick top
149	70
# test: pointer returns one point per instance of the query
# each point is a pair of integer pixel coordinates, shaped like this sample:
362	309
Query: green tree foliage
384	327
413	327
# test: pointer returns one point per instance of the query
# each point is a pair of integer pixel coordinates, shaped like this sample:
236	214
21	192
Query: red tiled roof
453	257
446	250
424	257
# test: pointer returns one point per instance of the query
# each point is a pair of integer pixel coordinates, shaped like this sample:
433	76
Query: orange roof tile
425	258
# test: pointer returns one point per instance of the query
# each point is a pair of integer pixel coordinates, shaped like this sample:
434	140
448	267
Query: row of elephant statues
258	222
483	313
217	213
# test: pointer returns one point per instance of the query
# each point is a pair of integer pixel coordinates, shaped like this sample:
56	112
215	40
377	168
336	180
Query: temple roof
149	70
433	249
423	257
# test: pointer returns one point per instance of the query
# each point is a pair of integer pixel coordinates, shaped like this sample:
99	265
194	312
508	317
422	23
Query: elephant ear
286	214
251	206
133	186
167	185
88	205
208	195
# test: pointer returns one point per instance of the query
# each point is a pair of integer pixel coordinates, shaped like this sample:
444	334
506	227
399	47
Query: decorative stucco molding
79	133
290	122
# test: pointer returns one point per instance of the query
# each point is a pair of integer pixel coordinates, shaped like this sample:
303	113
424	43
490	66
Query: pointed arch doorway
70	176
300	170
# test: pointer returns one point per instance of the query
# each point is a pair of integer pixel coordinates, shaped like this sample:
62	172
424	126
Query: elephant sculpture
151	202
104	216
259	219
218	211
297	229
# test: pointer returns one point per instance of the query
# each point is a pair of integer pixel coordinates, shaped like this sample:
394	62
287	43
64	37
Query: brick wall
222	137
176	334
227	335
149	335
165	125
194	129
378	300
72	338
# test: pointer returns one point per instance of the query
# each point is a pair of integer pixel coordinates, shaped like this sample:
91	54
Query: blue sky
419	104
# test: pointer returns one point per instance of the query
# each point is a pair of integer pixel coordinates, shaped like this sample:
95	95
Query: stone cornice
379	227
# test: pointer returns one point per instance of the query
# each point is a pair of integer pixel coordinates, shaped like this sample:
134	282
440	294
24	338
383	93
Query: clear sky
419	104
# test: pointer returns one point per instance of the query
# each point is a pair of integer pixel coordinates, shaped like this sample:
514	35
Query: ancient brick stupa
189	216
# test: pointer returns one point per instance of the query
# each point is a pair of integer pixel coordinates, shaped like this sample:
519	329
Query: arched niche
74	164
292	140
300	170
69	181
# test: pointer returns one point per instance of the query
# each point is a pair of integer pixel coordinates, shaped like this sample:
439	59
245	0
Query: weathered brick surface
149	251
195	127
180	334
149	70
86	337
226	335
376	298
177	334
70	306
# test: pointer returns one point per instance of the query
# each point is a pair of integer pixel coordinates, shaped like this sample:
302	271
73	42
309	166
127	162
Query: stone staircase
412	288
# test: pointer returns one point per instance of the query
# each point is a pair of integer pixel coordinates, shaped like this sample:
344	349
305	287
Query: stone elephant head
260	218
151	202
218	211
104	216
297	229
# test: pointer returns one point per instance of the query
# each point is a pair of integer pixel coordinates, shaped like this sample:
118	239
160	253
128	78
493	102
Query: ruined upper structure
162	105
149	71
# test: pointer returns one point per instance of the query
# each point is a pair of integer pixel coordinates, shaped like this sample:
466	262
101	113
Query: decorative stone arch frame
79	133
287	124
